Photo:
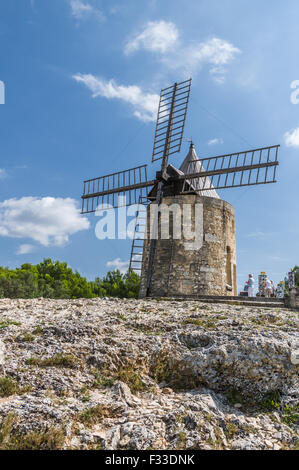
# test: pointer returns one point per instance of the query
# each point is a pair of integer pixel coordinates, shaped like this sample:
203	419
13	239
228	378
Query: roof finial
191	143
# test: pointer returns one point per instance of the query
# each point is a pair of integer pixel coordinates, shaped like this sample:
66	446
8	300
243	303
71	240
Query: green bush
56	280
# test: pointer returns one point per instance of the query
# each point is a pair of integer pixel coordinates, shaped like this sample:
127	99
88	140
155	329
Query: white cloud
158	36
279	258
3	174
261	234
83	9
214	52
257	235
291	138
48	220
25	249
216	141
144	105
163	38
123	266
218	74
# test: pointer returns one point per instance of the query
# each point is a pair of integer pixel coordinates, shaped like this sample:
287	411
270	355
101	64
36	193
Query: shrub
95	414
12	439
10	387
53	279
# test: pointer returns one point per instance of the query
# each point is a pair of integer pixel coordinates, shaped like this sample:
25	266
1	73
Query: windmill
199	178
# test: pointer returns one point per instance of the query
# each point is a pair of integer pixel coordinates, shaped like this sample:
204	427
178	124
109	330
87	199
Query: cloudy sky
82	79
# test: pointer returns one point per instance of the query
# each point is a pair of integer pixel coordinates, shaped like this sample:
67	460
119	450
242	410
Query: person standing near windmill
250	284
269	288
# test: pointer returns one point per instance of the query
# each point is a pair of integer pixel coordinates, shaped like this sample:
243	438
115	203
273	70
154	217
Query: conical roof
192	164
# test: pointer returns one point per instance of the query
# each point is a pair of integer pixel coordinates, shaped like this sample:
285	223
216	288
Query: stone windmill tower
197	256
205	267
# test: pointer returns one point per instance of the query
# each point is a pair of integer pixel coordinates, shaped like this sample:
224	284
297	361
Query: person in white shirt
268	288
273	289
250	284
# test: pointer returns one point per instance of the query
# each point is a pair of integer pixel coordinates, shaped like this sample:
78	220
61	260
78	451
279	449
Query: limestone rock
148	374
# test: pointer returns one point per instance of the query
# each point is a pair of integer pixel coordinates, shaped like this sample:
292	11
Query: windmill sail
248	168
104	192
171	120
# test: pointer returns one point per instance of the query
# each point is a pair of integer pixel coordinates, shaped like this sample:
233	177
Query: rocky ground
147	374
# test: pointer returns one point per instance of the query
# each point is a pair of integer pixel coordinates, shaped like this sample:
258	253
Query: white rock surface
196	374
2	353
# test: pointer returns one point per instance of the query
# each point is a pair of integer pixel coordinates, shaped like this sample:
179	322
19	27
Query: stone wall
293	301
206	270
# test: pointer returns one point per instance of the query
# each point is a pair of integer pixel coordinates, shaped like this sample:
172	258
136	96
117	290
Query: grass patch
95	414
9	387
249	429
102	381
147	330
121	317
290	415
210	324
26	338
127	374
268	404
6	428
12	439
132	378
182	440
38	331
231	430
85	398
59	360
271	402
5	323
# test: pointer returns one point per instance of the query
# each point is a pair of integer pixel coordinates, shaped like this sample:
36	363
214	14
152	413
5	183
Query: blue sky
81	79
